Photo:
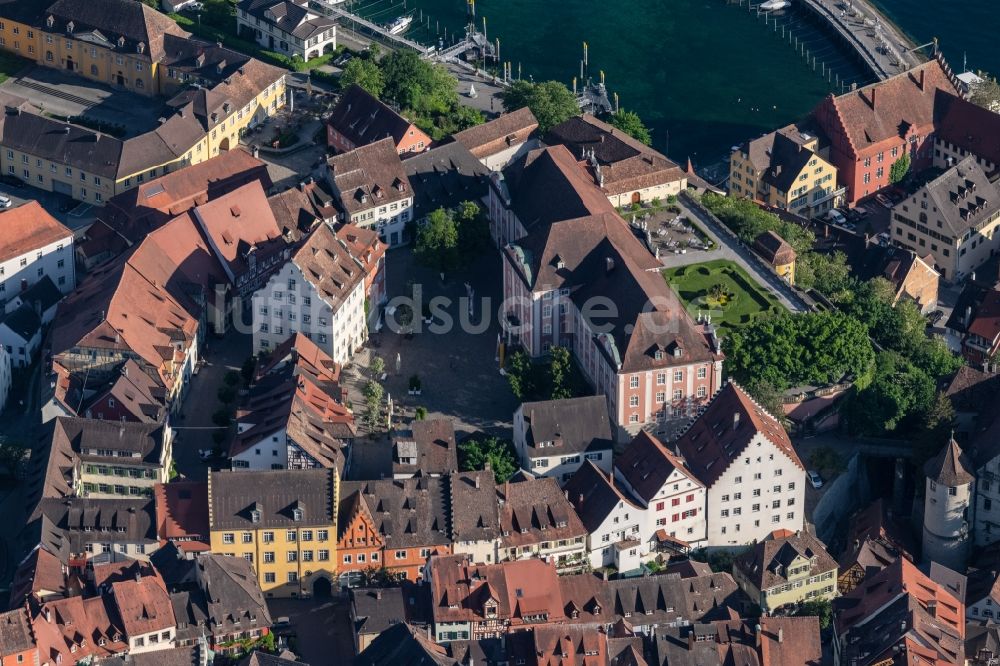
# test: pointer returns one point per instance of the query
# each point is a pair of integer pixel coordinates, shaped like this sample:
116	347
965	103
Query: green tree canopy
899	169
551	101
437	241
475	452
898	394
414	83
986	93
630	123
787	350
364	72
821	608
827	273
747	220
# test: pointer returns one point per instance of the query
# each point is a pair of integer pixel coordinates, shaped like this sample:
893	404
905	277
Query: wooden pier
373	29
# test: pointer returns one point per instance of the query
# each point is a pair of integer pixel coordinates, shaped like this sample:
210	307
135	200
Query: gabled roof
767	562
536	510
430	445
572	425
614	160
964	197
182	513
369	176
329	266
489	138
292	16
951	466
444	177
968	126
141	26
15	632
143	605
407	512
888	109
726	426
475	512
595	495
363	119
27	228
402	645
92	440
774	248
646	464
275	494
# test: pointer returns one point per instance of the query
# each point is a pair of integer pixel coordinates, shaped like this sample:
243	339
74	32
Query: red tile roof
28	228
509	130
182	514
143	605
724	429
646	464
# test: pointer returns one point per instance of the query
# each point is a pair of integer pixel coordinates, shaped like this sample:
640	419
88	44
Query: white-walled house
613	519
289	27
320	291
34	245
673	499
555	437
754	479
21	335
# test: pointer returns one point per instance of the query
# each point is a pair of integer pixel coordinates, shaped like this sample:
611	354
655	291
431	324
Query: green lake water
703	75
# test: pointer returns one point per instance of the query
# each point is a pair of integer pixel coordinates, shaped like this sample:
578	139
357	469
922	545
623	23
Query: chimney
477	481
691	638
874	88
781	634
968	315
920	80
378	593
604	574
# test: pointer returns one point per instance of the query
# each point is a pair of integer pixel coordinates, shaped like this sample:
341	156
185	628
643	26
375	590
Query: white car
836	217
5	201
815	479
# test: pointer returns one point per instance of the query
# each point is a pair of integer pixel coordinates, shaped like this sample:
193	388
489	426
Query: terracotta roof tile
509	130
27	228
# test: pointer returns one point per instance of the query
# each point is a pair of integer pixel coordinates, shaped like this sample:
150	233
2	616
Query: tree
812	348
12	454
475	452
986	93
414	83
437	241
560	367
550	101
519	375
898	394
828	274
821	608
767	396
373	394
231	378
899	169
827	459
473	230
748	221
420	414
935	429
630	123
226	394
377	366
248	370
363	72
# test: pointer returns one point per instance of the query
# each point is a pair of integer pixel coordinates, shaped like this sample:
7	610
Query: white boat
773	5
400	25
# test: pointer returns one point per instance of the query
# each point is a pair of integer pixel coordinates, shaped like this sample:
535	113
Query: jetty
371	29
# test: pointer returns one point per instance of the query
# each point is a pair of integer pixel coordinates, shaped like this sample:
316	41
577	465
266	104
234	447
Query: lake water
703	75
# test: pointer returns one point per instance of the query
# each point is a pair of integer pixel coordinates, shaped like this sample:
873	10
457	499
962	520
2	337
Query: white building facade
24	264
950	486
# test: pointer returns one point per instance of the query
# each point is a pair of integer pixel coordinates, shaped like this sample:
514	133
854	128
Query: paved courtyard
63	93
458	369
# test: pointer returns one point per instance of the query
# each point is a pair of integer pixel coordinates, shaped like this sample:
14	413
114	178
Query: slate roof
363	119
23	321
292	16
225	599
28	228
430	443
475	513
766	563
619	163
573	425
65	525
536	510
666	599
140	443
964	197
951	466
724	429
135	391
369	176
407	513
232	497
444	177
595	495
646	464
495	136
402	645
769	641
971	389
44	293
378	609
15	632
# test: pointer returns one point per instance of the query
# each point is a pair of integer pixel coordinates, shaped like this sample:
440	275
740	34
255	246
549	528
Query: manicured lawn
722	289
10	65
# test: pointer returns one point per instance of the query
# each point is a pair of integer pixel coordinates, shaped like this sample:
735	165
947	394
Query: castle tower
947	502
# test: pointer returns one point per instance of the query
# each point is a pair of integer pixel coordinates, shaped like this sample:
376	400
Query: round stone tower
947	523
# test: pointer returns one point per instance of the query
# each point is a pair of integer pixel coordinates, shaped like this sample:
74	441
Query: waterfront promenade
880	44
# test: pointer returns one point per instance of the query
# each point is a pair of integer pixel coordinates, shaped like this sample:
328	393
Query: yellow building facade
284	522
786	571
786	169
215	95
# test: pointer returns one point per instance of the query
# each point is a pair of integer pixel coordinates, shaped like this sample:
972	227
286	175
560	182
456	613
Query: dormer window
297	514
255	516
121	42
658	354
140	48
50	21
70	27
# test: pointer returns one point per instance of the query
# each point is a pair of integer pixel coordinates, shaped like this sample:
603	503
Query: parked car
836	217
934	317
861	212
883	200
815	479
5	202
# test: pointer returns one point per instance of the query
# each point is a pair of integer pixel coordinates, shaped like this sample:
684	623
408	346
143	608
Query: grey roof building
273	498
553	437
444	177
